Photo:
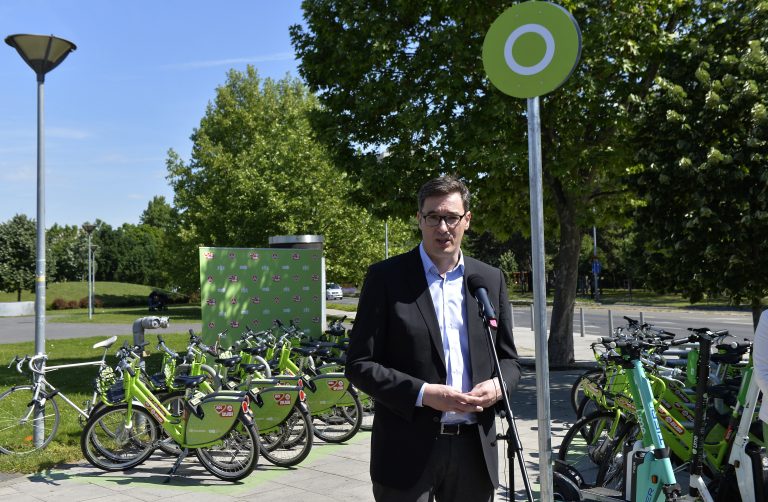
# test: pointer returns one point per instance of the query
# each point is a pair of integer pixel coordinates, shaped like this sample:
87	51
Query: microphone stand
514	446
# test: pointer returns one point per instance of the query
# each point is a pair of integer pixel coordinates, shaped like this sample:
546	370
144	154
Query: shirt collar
430	267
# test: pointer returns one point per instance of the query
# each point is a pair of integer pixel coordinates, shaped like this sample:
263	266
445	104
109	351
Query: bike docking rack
148	322
725	461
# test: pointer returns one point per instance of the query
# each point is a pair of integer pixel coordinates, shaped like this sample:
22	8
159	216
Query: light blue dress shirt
447	294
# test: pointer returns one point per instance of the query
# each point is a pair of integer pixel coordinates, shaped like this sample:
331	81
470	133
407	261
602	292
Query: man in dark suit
418	347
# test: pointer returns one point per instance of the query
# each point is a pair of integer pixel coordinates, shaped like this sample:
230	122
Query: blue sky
136	86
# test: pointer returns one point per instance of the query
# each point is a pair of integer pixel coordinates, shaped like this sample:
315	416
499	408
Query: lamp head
42	53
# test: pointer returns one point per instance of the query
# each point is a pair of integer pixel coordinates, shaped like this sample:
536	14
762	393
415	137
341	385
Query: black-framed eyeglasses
451	220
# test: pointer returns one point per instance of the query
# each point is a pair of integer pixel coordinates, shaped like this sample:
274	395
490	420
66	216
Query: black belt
454	429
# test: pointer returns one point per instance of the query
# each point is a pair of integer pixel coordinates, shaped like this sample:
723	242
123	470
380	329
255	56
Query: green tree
703	146
139	250
407	77
17	255
257	171
159	214
69	251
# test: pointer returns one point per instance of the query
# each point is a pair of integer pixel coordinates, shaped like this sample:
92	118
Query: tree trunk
18	295
561	328
757	310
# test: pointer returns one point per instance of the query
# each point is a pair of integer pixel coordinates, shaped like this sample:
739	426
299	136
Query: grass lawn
123	315
638	297
76	383
111	294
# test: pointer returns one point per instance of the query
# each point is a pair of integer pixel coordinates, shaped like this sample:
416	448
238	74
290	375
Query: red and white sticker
283	399
336	385
225	410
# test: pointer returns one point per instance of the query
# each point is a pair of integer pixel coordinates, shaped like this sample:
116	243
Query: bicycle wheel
235	456
368	413
173	402
340	423
18	420
577	393
594	446
291	442
108	444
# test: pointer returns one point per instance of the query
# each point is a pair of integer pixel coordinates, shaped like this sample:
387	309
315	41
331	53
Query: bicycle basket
115	394
105	379
109	387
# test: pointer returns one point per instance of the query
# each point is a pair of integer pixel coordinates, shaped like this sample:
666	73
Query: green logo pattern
531	49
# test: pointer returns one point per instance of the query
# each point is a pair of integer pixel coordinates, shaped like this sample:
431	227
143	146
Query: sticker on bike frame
672	424
283	399
225	410
152	411
336	385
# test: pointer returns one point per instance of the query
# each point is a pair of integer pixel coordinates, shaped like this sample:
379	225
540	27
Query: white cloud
18	174
66	133
279	56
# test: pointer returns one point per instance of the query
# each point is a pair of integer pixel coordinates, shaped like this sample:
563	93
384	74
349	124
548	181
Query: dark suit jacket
395	346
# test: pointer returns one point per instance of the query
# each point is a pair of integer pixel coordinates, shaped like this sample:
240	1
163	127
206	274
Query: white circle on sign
549	40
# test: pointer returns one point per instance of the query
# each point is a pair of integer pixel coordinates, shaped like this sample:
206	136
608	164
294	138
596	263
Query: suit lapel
475	330
418	283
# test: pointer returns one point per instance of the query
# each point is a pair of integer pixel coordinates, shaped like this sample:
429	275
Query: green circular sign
531	49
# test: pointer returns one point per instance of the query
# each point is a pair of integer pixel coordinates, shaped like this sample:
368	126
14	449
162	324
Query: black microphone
477	288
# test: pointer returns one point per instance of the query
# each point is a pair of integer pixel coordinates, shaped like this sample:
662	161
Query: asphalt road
22	329
738	323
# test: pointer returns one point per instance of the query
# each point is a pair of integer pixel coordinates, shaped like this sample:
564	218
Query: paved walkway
330	473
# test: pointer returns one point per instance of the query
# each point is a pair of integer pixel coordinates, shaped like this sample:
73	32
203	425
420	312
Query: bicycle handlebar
162	346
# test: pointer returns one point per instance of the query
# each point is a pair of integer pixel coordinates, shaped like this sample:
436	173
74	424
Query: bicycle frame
206	432
38	367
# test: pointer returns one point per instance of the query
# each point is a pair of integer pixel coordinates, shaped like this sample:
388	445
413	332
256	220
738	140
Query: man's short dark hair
444	185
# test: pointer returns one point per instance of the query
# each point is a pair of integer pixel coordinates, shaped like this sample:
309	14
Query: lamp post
42	53
89	228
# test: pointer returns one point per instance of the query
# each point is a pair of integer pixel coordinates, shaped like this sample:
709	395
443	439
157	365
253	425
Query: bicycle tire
17	431
587	407
107	444
577	394
340	423
173	402
291	442
589	447
236	455
368	413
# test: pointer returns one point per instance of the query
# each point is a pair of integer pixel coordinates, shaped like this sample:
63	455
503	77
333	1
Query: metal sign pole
529	51
539	298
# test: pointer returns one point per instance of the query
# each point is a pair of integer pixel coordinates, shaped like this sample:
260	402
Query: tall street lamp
42	53
89	228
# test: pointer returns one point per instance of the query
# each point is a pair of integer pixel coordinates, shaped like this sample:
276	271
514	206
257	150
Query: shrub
59	304
97	302
73	304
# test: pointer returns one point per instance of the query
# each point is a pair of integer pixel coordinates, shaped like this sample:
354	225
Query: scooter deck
600	494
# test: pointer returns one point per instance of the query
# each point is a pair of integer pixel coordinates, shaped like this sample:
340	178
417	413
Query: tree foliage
407	77
69	251
17	255
257	171
704	138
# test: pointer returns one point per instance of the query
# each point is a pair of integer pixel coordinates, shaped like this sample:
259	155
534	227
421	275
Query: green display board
242	287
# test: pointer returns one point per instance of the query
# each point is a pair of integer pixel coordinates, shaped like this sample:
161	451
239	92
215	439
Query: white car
333	291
